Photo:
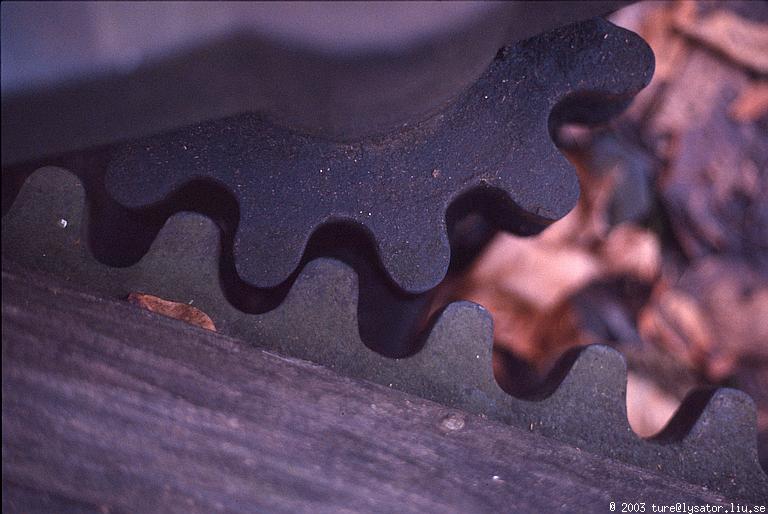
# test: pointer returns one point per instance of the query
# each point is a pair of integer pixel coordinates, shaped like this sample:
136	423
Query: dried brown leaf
180	311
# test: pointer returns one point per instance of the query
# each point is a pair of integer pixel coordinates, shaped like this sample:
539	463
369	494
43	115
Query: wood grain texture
114	409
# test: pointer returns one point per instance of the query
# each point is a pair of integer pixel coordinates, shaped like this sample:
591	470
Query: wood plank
110	408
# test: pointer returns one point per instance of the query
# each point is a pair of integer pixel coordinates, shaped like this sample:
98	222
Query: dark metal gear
493	142
296	212
711	441
495	137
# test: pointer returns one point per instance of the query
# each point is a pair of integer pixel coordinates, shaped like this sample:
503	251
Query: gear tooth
587	405
67	197
173	237
173	240
624	67
720	418
267	265
420	263
333	286
464	321
457	359
183	267
58	229
563	179
727	430
712	440
141	158
598	375
729	419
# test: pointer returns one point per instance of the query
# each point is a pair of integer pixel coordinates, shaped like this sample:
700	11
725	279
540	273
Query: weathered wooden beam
110	408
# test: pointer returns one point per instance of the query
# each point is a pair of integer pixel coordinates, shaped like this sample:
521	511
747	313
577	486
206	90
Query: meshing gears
710	441
322	250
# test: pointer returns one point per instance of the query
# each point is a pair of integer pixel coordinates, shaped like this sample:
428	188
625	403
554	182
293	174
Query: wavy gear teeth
710	441
267	263
495	137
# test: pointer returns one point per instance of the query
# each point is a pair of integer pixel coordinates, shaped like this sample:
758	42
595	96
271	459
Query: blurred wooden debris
751	104
642	391
715	315
740	39
666	254
180	311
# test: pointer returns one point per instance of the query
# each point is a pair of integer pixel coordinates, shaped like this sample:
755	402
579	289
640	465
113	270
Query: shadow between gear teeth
711	441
